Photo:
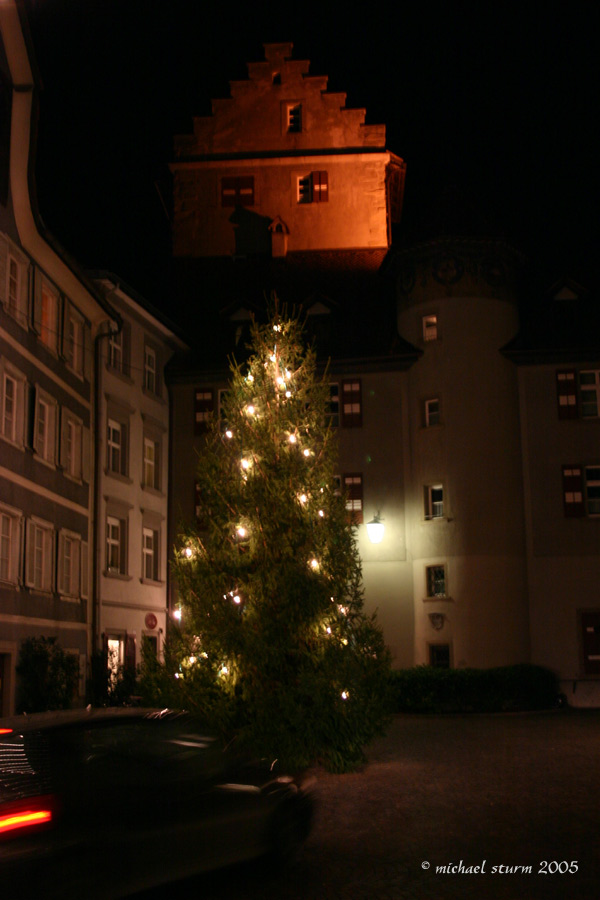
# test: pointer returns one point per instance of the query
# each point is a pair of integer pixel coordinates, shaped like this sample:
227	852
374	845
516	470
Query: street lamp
375	529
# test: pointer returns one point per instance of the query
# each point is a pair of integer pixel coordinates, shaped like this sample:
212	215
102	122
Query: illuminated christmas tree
279	649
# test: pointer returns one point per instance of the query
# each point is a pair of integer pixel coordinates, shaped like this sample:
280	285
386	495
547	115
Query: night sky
499	100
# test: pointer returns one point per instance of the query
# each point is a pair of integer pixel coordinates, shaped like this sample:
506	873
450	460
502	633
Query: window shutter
61	564
320	187
566	394
49	559
130	652
88	351
29	553
86	450
84	570
3	270
64	424
573	491
37	301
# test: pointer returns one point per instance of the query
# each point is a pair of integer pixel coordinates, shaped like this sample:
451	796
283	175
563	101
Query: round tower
465	517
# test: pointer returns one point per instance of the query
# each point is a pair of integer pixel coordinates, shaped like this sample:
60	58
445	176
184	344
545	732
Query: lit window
237	190
313	188
294	117
151	463
432	412
39	556
430	328
48	316
150	370
117	447
150	554
351	404
116	546
436	581
434	501
353	486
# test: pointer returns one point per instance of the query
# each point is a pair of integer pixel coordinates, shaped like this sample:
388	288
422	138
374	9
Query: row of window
117	450
31	417
34	554
238	190
344	406
119	360
581	490
34	302
117	556
578	393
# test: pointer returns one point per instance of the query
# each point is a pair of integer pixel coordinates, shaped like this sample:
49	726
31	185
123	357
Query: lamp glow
375	529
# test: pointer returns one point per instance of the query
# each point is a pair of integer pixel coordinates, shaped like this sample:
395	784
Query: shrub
48	676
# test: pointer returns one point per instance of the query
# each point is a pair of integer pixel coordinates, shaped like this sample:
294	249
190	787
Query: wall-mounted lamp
375	529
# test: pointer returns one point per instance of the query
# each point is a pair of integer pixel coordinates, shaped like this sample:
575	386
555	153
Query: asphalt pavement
480	806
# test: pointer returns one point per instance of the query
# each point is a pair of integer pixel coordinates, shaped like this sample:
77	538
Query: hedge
502	689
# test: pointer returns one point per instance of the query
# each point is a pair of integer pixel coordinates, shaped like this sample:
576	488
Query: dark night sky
498	99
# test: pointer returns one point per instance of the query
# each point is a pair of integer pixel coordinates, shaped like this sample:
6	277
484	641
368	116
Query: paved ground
457	791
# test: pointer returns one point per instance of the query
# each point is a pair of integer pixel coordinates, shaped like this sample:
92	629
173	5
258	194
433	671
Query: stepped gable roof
349	306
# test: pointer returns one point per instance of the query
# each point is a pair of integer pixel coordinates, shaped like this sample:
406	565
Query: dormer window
294	118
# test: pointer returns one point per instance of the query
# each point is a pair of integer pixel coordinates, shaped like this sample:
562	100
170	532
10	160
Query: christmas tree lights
271	584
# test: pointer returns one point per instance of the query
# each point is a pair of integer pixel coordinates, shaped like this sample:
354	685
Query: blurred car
102	803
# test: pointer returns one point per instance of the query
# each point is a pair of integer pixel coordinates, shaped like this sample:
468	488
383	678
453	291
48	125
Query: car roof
65	717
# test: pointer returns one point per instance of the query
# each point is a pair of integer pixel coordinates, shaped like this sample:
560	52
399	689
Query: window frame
69	584
430	419
151	377
312	187
150	554
45	427
10	544
72	448
432	505
204	409
149	441
74	339
353	486
431	580
430	325
351	406
116	545
18	417
237	190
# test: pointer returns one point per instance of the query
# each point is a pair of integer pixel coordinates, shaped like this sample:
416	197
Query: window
10	532
151	464
117	447
589	392
115	351
237	190
46	314
431	412
44	428
353	486
590	643
69	564
578	394
313	188
116	546
581	490
351	404
14	289
150	370
149	554
439	656
434	501
294	117
12	404
430	328
204	406
436	581
39	551
71	441
73	340
333	406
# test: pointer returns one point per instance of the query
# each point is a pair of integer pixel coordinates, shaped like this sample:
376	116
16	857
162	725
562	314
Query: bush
47	676
502	689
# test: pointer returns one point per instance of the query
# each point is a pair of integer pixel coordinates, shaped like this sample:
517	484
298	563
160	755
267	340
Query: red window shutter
352	403
130	652
573	496
566	394
320	187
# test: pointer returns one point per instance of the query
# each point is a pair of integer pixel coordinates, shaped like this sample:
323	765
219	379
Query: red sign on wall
151	621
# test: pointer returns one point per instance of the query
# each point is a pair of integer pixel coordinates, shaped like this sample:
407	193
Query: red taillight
6	731
27	814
